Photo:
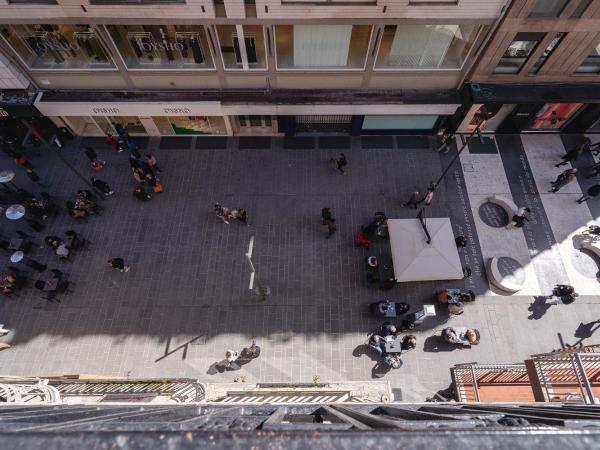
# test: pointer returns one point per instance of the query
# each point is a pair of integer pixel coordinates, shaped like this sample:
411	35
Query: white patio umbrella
415	259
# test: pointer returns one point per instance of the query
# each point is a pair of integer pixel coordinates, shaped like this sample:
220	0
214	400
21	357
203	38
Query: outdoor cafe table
16	243
393	344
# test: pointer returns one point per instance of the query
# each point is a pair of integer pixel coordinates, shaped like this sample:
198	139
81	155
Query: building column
150	126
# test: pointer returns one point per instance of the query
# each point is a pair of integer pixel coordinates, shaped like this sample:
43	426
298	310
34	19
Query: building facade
235	67
540	71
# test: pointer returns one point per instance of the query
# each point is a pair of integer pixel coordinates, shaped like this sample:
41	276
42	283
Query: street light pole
57	153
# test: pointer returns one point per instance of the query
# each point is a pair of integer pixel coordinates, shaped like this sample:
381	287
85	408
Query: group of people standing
570	175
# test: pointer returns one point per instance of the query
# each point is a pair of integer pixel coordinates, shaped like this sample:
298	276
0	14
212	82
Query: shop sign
106	111
177	111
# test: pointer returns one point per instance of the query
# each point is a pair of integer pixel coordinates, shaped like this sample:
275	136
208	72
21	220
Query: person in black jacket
102	186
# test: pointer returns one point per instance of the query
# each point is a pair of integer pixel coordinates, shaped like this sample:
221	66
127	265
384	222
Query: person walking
326	215
118	128
331	227
429	196
222	213
445	144
23	162
152	162
519	219
592	192
340	163
241	215
141	194
133	148
93	156
565	293
570	156
33	176
413	201
110	140
231	356
563	179
118	264
102	186
595	170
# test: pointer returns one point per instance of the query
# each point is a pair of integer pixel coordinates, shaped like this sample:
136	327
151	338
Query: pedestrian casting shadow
225	366
380	369
586	330
435	344
538	308
364	349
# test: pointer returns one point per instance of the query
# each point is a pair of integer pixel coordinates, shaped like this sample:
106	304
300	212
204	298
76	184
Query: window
518	53
251	55
581	8
162	46
544	56
554	116
547	8
57	46
32	2
591	65
425	46
322	46
134	2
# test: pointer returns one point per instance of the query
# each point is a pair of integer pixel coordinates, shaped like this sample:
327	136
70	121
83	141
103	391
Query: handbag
158	188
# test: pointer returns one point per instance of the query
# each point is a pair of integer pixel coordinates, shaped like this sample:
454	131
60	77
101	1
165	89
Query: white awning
414	259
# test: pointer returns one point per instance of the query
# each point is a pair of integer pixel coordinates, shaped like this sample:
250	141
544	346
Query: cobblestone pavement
186	299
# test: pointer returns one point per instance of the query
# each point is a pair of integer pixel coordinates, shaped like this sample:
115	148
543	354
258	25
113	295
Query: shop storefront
17	108
534	109
138	118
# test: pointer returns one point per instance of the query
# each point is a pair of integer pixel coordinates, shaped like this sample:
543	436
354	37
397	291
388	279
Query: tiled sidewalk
186	299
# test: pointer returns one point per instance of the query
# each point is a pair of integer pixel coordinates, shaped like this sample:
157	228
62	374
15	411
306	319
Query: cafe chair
57	273
63	286
51	297
39	284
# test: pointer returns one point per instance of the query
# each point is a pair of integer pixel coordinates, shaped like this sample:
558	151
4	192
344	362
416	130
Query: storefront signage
107	111
175	111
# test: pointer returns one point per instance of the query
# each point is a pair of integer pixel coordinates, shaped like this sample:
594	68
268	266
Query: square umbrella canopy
415	259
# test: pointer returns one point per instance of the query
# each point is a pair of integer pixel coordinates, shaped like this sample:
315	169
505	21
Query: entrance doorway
324	124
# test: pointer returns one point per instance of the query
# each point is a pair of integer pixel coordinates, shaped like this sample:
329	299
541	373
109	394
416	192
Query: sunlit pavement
186	299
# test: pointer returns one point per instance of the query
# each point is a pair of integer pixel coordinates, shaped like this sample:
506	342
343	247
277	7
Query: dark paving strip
98	142
463	224
298	142
538	233
175	142
372	142
413	141
211	142
487	146
582	165
334	142
254	142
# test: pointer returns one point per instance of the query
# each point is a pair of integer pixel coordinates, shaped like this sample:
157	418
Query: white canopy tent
415	259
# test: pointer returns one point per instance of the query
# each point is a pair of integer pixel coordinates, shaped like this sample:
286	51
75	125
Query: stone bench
592	246
506	283
505	203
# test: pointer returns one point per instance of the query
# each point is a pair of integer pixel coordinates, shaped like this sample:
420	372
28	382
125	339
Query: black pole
60	156
475	131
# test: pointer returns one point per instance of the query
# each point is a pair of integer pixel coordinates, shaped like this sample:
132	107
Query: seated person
372	269
409	342
140	193
62	251
384	306
362	241
53	241
393	362
387	329
376	342
472	336
370	230
451	335
466	296
402	308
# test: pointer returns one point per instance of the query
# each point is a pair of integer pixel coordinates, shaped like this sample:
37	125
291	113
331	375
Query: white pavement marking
565	216
487	178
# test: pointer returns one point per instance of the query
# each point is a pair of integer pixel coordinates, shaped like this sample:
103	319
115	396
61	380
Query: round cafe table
15	212
6	176
17	257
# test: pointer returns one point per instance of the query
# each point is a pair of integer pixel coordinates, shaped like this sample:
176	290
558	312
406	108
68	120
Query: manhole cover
511	270
493	215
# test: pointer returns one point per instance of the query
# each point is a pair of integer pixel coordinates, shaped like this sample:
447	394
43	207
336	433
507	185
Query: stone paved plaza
186	299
